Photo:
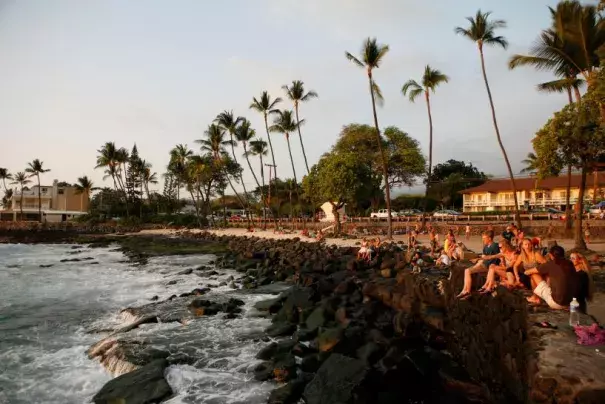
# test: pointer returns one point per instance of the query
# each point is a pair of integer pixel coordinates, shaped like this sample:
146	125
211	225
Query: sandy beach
473	244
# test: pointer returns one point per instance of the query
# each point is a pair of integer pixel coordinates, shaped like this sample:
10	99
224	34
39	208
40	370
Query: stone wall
486	334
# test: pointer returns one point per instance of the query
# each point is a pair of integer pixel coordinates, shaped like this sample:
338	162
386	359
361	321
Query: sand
473	244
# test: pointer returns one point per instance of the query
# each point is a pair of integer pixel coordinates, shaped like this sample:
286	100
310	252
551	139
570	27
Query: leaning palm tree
266	106
372	55
431	79
148	177
34	169
258	148
21	179
482	31
215	144
244	134
230	123
5	175
84	187
296	94
285	124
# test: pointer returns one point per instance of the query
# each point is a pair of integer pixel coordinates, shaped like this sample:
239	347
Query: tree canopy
340	178
451	177
404	157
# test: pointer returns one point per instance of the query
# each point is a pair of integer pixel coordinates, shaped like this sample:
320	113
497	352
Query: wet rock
46	265
280	329
316	319
284	368
173	282
270	305
146	385
336	381
155	298
328	339
185	272
289	393
263	371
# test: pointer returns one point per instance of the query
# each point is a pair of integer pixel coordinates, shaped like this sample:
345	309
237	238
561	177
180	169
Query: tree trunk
567	198
385	167
510	170
428	180
39	198
594	186
577	94
241	178
197	208
270	147
580	244
302	146
262	193
21	203
291	159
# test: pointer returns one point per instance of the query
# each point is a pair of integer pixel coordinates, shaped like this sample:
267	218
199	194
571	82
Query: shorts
545	293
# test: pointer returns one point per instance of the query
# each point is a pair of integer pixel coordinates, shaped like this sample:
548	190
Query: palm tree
34	169
258	148
372	55
21	179
265	106
148	177
178	157
5	175
245	134
482	31
431	79
531	164
284	123
84	186
230	123
215	144
113	159
296	94
7	199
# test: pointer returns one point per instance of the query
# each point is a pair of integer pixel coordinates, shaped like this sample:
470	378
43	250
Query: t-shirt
508	235
563	280
491	249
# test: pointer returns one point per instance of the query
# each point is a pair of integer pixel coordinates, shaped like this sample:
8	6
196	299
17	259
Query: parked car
554	213
410	212
598	208
446	213
382	214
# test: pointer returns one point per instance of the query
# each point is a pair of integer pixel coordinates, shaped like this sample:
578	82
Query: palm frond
377	94
561	85
309	95
413	88
353	59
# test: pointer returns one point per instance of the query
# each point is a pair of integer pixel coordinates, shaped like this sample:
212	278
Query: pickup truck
382	214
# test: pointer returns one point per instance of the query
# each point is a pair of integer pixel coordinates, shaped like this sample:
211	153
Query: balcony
32	194
546	202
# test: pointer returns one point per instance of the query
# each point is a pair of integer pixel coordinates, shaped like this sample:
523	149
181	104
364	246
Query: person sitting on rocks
364	251
449	245
320	235
444	260
490	248
432	240
527	259
584	279
508	234
413	239
556	280
508	257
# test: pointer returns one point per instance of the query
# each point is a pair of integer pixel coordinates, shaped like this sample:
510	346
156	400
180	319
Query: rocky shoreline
342	331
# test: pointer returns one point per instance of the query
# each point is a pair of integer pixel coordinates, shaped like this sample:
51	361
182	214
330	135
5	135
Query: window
44	189
61	191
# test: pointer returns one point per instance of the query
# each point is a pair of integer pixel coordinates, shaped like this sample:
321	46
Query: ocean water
49	317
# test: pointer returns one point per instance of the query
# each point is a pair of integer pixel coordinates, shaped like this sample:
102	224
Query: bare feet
533	300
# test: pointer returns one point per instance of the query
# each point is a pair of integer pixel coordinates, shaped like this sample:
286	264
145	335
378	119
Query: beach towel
590	335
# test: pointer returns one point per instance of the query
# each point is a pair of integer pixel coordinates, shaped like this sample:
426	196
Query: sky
75	74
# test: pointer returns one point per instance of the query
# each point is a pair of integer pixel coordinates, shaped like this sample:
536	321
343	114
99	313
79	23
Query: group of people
368	249
551	277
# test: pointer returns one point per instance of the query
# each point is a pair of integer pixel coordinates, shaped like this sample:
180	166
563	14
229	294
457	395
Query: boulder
280	329
185	272
145	385
289	393
336	381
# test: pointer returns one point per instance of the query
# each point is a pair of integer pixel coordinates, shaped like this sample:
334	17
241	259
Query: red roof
531	183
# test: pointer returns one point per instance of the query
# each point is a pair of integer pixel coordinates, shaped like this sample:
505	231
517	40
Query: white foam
45	313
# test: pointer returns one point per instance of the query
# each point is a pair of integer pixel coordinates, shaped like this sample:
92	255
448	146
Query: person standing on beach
587	233
467	231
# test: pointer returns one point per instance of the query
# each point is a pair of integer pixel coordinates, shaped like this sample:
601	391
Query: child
467	231
364	251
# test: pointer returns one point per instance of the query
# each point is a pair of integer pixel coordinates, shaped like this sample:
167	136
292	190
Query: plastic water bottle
574	314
